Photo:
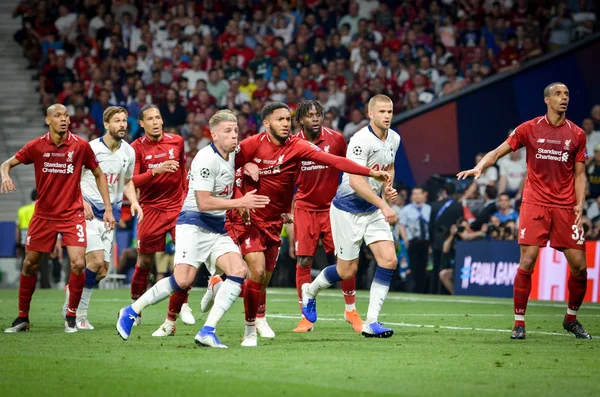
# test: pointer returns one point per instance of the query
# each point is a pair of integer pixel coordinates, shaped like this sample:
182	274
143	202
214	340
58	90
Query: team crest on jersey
326	149
70	156
171	153
357	150
248	245
280	159
567	144
523	233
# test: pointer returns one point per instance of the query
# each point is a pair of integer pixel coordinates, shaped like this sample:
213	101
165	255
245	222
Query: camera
461	229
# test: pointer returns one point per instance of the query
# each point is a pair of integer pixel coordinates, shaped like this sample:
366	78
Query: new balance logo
541	140
148	157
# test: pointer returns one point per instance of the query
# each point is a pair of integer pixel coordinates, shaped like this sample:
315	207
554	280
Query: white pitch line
448	327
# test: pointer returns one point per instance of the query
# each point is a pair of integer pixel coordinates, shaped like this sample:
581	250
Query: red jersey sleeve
244	152
305	150
342	146
581	155
89	159
182	167
26	154
518	137
143	178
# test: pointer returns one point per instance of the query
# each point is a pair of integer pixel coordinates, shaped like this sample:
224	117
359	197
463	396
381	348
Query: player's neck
555	118
57	138
311	136
111	142
274	139
222	152
155	139
380	132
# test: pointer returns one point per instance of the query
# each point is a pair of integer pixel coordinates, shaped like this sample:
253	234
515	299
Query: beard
279	139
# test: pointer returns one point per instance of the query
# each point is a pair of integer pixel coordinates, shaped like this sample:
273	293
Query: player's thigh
271	255
534	225
384	253
73	233
99	244
185	275
152	231
193	247
348	232
306	232
325	232
227	257
565	233
76	258
380	240
347	269
41	236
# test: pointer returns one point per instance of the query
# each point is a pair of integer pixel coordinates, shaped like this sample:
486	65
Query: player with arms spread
202	234
553	200
317	185
117	160
359	213
278	156
58	158
160	176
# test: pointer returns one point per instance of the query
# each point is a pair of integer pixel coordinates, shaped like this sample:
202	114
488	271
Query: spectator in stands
593	188
357	121
488	178
173	114
488	210
98	108
560	28
595	114
505	211
512	174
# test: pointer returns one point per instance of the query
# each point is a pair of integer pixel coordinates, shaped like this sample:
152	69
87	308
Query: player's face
58	120
225	136
152	123
381	114
558	99
312	121
117	126
278	124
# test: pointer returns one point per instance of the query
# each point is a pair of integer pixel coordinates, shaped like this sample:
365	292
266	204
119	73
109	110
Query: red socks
139	282
251	299
262	303
26	290
302	277
76	282
522	289
349	290
175	302
577	286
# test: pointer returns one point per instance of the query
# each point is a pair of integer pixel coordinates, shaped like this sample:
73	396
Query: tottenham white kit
201	236
354	219
117	167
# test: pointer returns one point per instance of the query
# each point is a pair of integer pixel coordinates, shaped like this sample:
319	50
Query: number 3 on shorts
578	235
80	233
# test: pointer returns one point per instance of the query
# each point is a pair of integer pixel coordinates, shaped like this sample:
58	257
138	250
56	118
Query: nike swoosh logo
376	150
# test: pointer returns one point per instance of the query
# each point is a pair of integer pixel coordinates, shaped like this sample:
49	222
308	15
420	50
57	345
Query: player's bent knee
29	268
528	262
305	261
389	263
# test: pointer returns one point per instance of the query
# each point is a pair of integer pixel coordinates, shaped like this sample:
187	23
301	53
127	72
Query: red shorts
253	238
42	234
309	227
152	230
538	224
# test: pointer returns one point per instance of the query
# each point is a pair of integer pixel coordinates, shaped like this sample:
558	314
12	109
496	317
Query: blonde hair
221	116
379	98
111	111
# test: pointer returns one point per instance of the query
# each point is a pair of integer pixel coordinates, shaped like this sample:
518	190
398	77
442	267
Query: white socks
161	290
86	295
318	284
226	295
376	299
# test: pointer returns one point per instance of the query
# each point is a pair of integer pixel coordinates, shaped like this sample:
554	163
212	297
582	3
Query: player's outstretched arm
109	219
207	202
131	195
487	161
362	187
7	183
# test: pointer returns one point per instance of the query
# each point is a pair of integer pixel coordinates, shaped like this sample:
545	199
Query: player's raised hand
137	210
252	200
109	219
390	215
382	176
252	171
87	211
390	193
167	166
287	218
474	172
578	217
8	185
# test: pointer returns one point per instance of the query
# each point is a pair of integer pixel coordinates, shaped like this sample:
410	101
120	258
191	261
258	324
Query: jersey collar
373	132
212	145
556	126
70	138
320	138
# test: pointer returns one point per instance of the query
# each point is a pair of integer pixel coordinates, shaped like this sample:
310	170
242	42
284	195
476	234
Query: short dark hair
549	87
146	107
504	194
449	189
272	107
420	187
34	195
304	108
491	192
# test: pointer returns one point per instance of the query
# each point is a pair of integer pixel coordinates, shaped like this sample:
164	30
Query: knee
305	261
29	268
258	275
101	274
389	262
184	282
145	261
239	271
445	274
528	262
77	265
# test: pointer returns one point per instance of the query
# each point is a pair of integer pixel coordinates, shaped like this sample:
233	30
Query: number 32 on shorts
578	235
80	233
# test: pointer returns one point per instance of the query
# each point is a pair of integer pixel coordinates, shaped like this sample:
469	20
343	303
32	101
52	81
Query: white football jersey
116	166
209	172
365	148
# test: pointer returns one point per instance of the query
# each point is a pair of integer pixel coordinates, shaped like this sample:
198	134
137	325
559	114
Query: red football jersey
317	183
552	152
165	191
278	166
58	174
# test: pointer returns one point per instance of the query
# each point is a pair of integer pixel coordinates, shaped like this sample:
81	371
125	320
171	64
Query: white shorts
98	238
350	229
196	245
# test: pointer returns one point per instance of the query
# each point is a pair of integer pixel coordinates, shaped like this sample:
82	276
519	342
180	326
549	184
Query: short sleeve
131	165
518	137
202	176
89	157
502	167
358	151
582	156
27	154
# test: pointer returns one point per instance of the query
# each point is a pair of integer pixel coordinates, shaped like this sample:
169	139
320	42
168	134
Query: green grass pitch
442	346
